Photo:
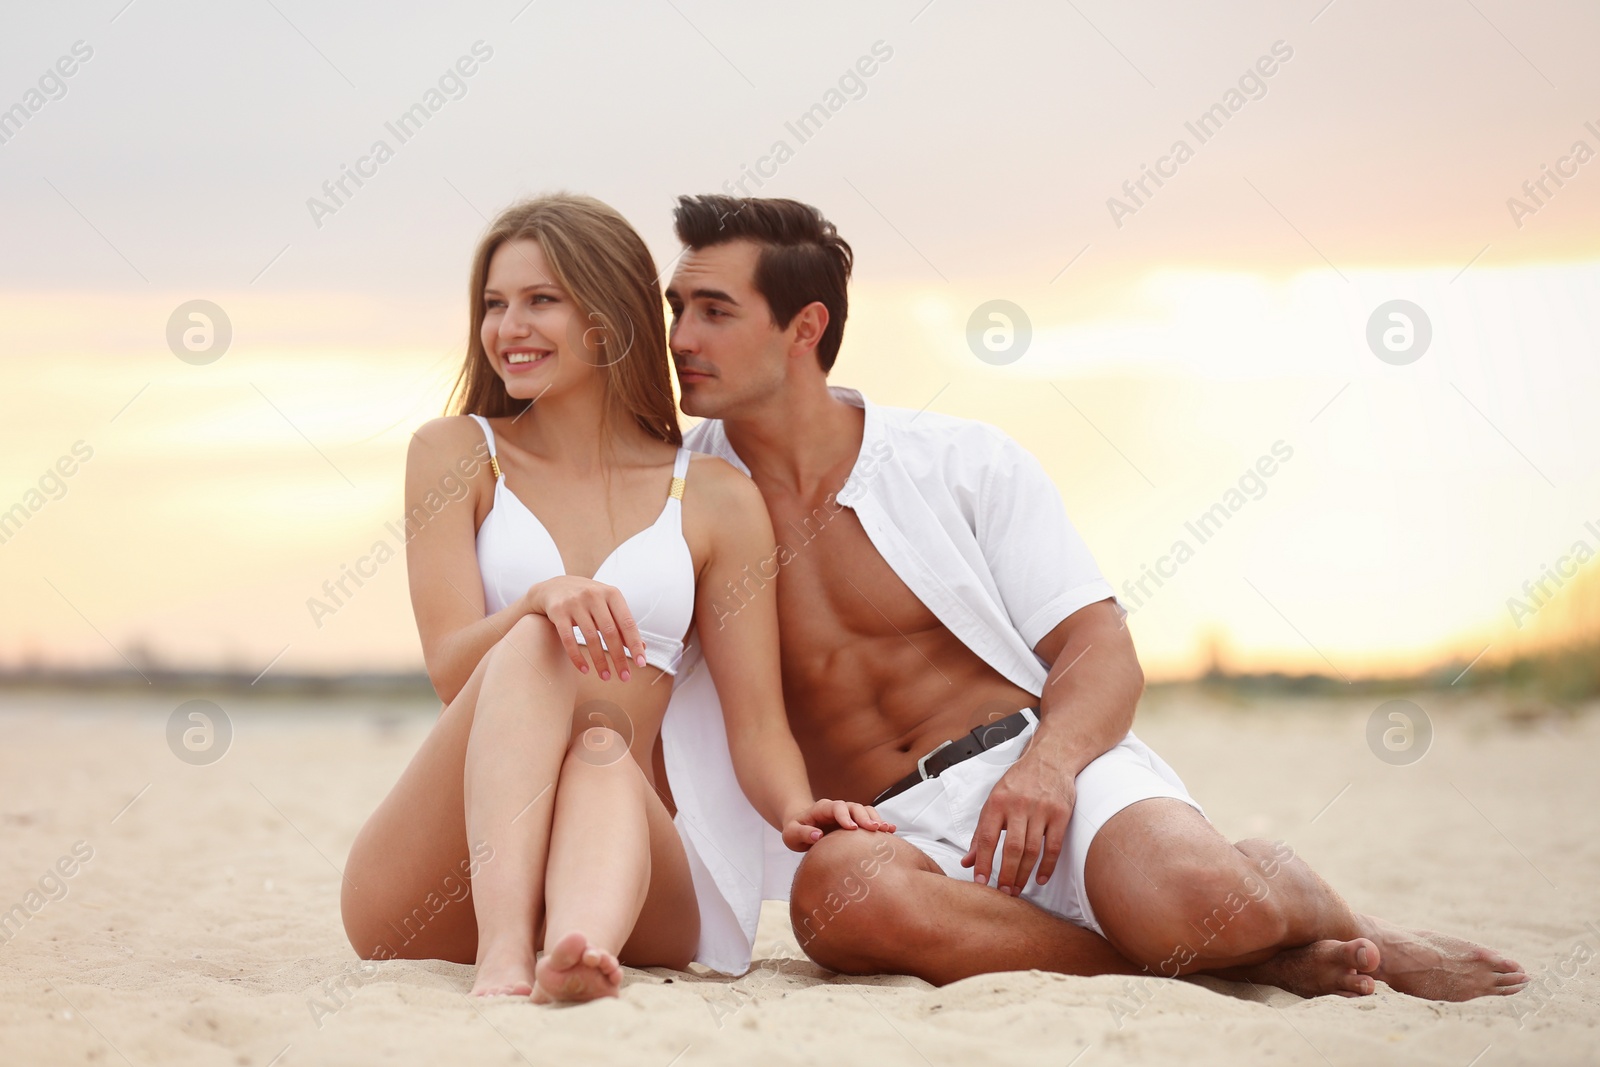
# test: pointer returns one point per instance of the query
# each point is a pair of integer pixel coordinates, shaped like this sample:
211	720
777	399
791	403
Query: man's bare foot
504	970
573	969
1440	967
1343	968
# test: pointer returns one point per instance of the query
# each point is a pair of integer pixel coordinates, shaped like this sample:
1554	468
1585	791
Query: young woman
553	597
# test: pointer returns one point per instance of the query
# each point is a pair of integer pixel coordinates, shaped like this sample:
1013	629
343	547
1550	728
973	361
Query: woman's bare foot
1440	967
572	969
1343	968
504	970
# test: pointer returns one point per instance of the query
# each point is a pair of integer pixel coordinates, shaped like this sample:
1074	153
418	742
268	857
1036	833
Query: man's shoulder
935	426
919	432
932	439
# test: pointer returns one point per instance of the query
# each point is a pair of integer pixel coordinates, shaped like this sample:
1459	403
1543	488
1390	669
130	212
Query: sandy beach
199	923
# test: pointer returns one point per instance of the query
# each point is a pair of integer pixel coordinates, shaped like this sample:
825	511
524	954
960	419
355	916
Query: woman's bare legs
618	881
519	735
407	888
483	774
407	891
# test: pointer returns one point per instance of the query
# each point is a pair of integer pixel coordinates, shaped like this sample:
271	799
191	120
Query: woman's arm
739	638
447	462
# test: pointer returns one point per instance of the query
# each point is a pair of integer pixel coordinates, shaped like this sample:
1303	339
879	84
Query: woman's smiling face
532	331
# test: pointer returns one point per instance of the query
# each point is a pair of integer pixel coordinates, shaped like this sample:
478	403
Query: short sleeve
1041	566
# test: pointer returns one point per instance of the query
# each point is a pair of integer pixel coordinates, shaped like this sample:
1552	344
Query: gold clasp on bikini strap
676	492
494	465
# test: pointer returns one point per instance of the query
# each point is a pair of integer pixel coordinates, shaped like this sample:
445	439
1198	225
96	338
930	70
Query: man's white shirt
971	523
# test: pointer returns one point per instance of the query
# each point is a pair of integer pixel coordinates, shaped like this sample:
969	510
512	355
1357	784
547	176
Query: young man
952	655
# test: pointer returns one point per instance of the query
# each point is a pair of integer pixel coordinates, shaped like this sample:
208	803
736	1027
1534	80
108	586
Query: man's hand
1083	713
1032	803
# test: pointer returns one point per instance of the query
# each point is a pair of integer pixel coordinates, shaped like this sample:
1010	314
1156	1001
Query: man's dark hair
802	258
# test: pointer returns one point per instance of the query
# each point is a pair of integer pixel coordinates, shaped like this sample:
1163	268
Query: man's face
727	350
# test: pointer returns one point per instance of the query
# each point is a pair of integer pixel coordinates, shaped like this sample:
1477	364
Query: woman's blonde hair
605	267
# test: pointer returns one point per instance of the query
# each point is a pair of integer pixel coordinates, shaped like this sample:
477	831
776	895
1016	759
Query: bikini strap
494	463
680	471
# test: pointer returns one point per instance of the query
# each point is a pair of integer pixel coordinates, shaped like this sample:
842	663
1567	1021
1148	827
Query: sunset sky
1177	336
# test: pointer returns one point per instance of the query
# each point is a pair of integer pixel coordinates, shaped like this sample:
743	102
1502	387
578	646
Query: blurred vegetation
1562	676
1554	658
1566	677
1557	656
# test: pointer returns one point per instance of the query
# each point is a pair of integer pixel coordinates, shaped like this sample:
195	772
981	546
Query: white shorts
940	815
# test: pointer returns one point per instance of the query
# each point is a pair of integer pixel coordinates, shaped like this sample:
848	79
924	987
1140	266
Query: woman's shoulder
449	442
449	428
720	481
722	505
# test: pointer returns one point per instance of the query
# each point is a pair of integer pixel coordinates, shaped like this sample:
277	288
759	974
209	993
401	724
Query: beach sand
203	926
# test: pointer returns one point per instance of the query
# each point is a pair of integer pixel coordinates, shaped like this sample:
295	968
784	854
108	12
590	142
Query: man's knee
844	905
1196	906
1234	911
1269	858
1209	908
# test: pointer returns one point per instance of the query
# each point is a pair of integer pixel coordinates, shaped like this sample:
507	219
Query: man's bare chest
834	588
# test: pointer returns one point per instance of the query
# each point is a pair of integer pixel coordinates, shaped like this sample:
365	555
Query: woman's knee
533	642
530	662
595	748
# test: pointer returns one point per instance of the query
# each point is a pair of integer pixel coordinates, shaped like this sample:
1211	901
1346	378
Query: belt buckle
922	761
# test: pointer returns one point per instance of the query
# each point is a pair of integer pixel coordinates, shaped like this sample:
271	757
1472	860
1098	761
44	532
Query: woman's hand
805	827
596	609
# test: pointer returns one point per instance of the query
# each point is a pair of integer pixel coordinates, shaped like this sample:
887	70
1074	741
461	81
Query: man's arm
1089	699
1095	680
1063	608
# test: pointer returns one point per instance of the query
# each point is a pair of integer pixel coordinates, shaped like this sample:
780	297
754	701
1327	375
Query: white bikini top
653	569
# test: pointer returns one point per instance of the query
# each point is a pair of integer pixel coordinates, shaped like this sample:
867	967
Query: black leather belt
947	755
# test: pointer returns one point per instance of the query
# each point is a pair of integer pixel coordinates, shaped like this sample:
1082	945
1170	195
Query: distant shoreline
1521	677
412	685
